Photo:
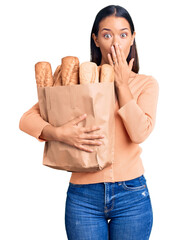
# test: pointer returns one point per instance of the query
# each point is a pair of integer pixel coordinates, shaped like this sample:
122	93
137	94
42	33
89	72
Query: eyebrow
110	29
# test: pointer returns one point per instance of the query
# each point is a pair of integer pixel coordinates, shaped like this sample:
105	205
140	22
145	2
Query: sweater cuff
39	133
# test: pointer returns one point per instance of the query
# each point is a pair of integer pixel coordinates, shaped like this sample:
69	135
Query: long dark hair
116	11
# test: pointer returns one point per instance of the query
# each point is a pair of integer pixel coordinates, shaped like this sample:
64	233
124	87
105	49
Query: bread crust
70	73
70	70
43	74
57	76
88	73
106	73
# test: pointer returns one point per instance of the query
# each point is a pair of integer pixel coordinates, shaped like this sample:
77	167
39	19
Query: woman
119	192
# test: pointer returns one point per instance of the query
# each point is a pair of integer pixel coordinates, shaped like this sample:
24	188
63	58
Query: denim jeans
115	211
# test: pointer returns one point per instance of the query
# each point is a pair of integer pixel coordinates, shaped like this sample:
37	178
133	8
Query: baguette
57	79
43	74
106	73
88	73
69	73
70	70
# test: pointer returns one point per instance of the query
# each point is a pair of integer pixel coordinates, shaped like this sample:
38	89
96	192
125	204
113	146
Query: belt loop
141	179
120	183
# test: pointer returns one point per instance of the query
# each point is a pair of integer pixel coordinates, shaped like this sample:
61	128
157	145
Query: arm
32	123
139	116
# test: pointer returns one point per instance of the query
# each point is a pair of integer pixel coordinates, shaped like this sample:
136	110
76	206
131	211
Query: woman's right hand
77	136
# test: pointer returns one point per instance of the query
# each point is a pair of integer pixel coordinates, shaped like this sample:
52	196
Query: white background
32	202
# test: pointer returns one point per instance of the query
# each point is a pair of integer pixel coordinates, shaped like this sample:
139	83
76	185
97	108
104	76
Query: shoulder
143	84
148	80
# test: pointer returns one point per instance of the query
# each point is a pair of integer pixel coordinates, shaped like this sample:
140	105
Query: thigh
132	217
84	219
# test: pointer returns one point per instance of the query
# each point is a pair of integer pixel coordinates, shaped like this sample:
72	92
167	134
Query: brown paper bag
60	104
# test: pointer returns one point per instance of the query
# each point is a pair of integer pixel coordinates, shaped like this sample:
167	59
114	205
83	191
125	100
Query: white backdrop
32	202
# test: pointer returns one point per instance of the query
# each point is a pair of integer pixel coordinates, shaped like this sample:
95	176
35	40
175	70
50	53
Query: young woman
113	203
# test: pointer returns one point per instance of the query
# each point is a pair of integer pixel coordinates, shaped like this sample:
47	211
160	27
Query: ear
95	39
133	37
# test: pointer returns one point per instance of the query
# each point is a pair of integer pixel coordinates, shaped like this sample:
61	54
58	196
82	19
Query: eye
106	34
124	33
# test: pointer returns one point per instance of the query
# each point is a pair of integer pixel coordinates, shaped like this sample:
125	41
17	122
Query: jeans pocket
135	184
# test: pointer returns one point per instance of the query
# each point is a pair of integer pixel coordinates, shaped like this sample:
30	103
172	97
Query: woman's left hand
121	68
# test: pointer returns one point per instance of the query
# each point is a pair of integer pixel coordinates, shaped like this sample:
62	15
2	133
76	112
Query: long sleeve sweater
133	124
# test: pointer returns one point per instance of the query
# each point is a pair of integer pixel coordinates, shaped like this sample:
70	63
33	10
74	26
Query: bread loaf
106	73
69	73
88	73
43	74
57	79
70	70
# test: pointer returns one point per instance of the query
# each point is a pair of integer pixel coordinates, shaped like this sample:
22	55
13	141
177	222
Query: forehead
114	23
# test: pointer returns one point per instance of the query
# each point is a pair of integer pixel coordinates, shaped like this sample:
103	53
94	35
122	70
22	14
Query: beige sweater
133	124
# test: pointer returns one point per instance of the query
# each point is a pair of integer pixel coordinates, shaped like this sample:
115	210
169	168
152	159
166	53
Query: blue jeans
115	211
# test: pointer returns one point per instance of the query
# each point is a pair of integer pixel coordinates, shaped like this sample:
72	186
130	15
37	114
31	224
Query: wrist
121	85
49	133
58	134
125	85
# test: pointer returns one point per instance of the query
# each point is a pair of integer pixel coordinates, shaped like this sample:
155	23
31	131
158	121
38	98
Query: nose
114	43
